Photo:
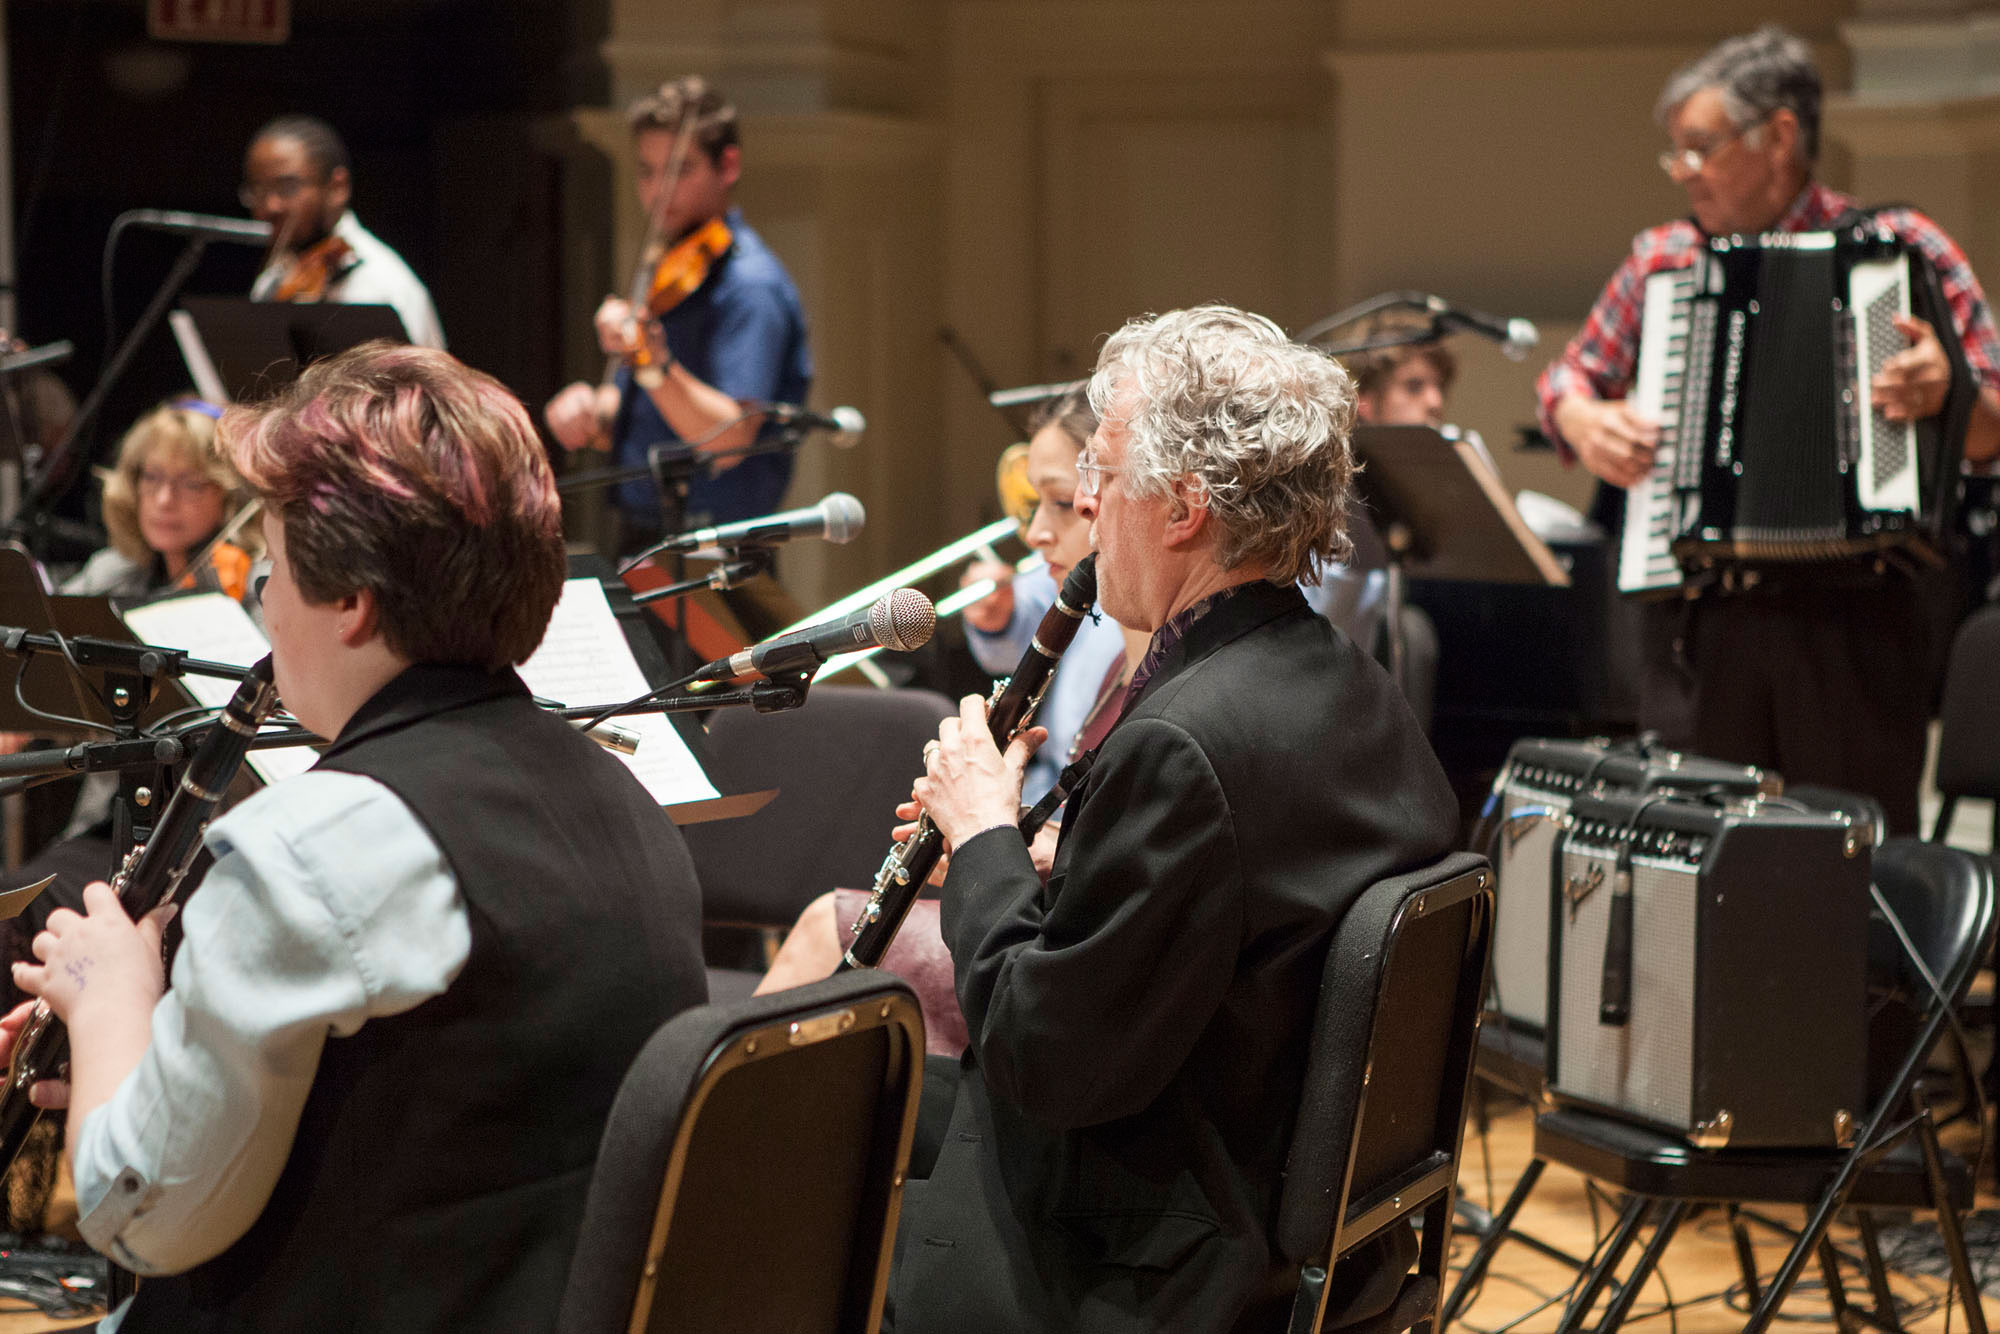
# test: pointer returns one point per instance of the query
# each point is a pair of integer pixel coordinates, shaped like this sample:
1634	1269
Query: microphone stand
15	442
132	673
742	564
58	468
676	462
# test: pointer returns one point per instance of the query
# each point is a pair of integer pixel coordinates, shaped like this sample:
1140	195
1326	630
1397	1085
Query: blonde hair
188	435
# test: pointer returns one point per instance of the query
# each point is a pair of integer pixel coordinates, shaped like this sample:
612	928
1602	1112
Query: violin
315	269
222	565
685	266
227	570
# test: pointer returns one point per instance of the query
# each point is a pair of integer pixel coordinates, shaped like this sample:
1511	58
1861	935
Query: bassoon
1011	710
150	876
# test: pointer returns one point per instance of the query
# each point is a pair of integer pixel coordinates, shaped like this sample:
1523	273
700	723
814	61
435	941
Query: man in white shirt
295	177
373	1094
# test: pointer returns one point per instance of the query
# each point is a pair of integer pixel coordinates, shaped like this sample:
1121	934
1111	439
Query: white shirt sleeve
329	904
997	652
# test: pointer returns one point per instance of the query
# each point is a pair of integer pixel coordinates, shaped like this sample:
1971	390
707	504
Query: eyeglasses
285	189
179	485
1090	478
1674	162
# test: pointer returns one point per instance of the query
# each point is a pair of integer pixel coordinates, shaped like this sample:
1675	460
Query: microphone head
902	619
1521	335
850	424
843	515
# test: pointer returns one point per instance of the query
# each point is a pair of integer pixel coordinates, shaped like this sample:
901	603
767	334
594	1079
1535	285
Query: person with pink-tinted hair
373	1092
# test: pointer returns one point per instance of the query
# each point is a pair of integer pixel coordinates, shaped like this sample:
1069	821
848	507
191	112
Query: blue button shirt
743	332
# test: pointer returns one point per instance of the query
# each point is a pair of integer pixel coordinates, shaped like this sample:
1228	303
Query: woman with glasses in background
166	501
1082	702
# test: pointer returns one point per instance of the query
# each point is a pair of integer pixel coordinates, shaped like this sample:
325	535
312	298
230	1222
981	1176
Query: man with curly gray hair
1139	1023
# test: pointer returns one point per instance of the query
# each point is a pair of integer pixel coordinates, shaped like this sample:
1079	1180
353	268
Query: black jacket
1139	1026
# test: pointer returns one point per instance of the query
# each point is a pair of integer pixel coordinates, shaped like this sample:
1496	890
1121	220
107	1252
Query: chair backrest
840	764
1944	899
750	1173
1383	1103
1968	761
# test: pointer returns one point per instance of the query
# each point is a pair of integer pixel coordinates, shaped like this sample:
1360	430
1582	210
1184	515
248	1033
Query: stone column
841	160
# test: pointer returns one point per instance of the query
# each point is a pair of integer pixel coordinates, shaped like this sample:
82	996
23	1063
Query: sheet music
584	659
215	626
201	367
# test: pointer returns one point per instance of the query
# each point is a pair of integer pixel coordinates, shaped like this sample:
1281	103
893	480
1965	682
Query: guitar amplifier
1708	969
1534	790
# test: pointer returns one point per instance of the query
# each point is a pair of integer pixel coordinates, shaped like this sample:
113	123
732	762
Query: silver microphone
247	231
899	620
1515	336
837	518
843	425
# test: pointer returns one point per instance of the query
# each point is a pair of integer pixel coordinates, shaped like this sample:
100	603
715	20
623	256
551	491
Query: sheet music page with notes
215	626
584	659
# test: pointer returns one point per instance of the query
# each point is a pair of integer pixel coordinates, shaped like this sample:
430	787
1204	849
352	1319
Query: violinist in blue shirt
722	328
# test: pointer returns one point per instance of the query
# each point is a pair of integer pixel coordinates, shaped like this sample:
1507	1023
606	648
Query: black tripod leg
1671	1212
1595	1279
1495	1234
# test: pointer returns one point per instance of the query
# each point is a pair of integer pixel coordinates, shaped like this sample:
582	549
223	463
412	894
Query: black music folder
1444	511
258	347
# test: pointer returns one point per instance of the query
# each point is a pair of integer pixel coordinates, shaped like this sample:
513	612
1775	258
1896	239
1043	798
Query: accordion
1757	362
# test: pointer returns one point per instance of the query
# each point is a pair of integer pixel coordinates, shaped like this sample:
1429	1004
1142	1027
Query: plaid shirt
1598	362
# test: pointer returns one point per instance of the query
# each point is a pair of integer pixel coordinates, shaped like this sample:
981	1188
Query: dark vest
438	1176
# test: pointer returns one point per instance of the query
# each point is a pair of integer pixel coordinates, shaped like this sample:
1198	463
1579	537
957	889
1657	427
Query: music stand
1443	513
119	697
258	347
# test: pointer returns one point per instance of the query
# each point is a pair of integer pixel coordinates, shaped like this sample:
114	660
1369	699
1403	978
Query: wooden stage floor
1521	1294
1698	1275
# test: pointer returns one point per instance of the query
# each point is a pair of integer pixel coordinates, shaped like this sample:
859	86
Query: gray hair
1757	74
1261	423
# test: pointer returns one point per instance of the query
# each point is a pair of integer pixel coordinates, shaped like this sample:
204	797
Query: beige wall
1031	172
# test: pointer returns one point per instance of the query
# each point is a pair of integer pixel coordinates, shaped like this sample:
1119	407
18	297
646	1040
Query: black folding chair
752	1168
1382	1112
1968	758
1942	900
840	764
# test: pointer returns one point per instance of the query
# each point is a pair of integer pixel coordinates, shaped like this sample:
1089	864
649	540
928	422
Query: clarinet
150	876
1011	710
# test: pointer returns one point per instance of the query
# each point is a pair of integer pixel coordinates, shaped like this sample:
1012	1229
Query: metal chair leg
1746	1259
1948	1229
1670	1214
1836	1290
1598	1275
1496	1233
1878	1274
1943	825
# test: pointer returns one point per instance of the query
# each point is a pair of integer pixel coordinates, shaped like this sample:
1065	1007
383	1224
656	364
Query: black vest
438	1176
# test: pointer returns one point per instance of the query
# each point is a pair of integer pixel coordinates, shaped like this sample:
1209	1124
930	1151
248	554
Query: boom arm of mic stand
94	757
726	575
143	660
1360	310
58	469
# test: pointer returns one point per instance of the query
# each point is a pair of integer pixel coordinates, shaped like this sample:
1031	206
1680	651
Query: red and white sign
267	21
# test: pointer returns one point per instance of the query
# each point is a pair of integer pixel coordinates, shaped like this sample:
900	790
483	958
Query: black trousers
1823	684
